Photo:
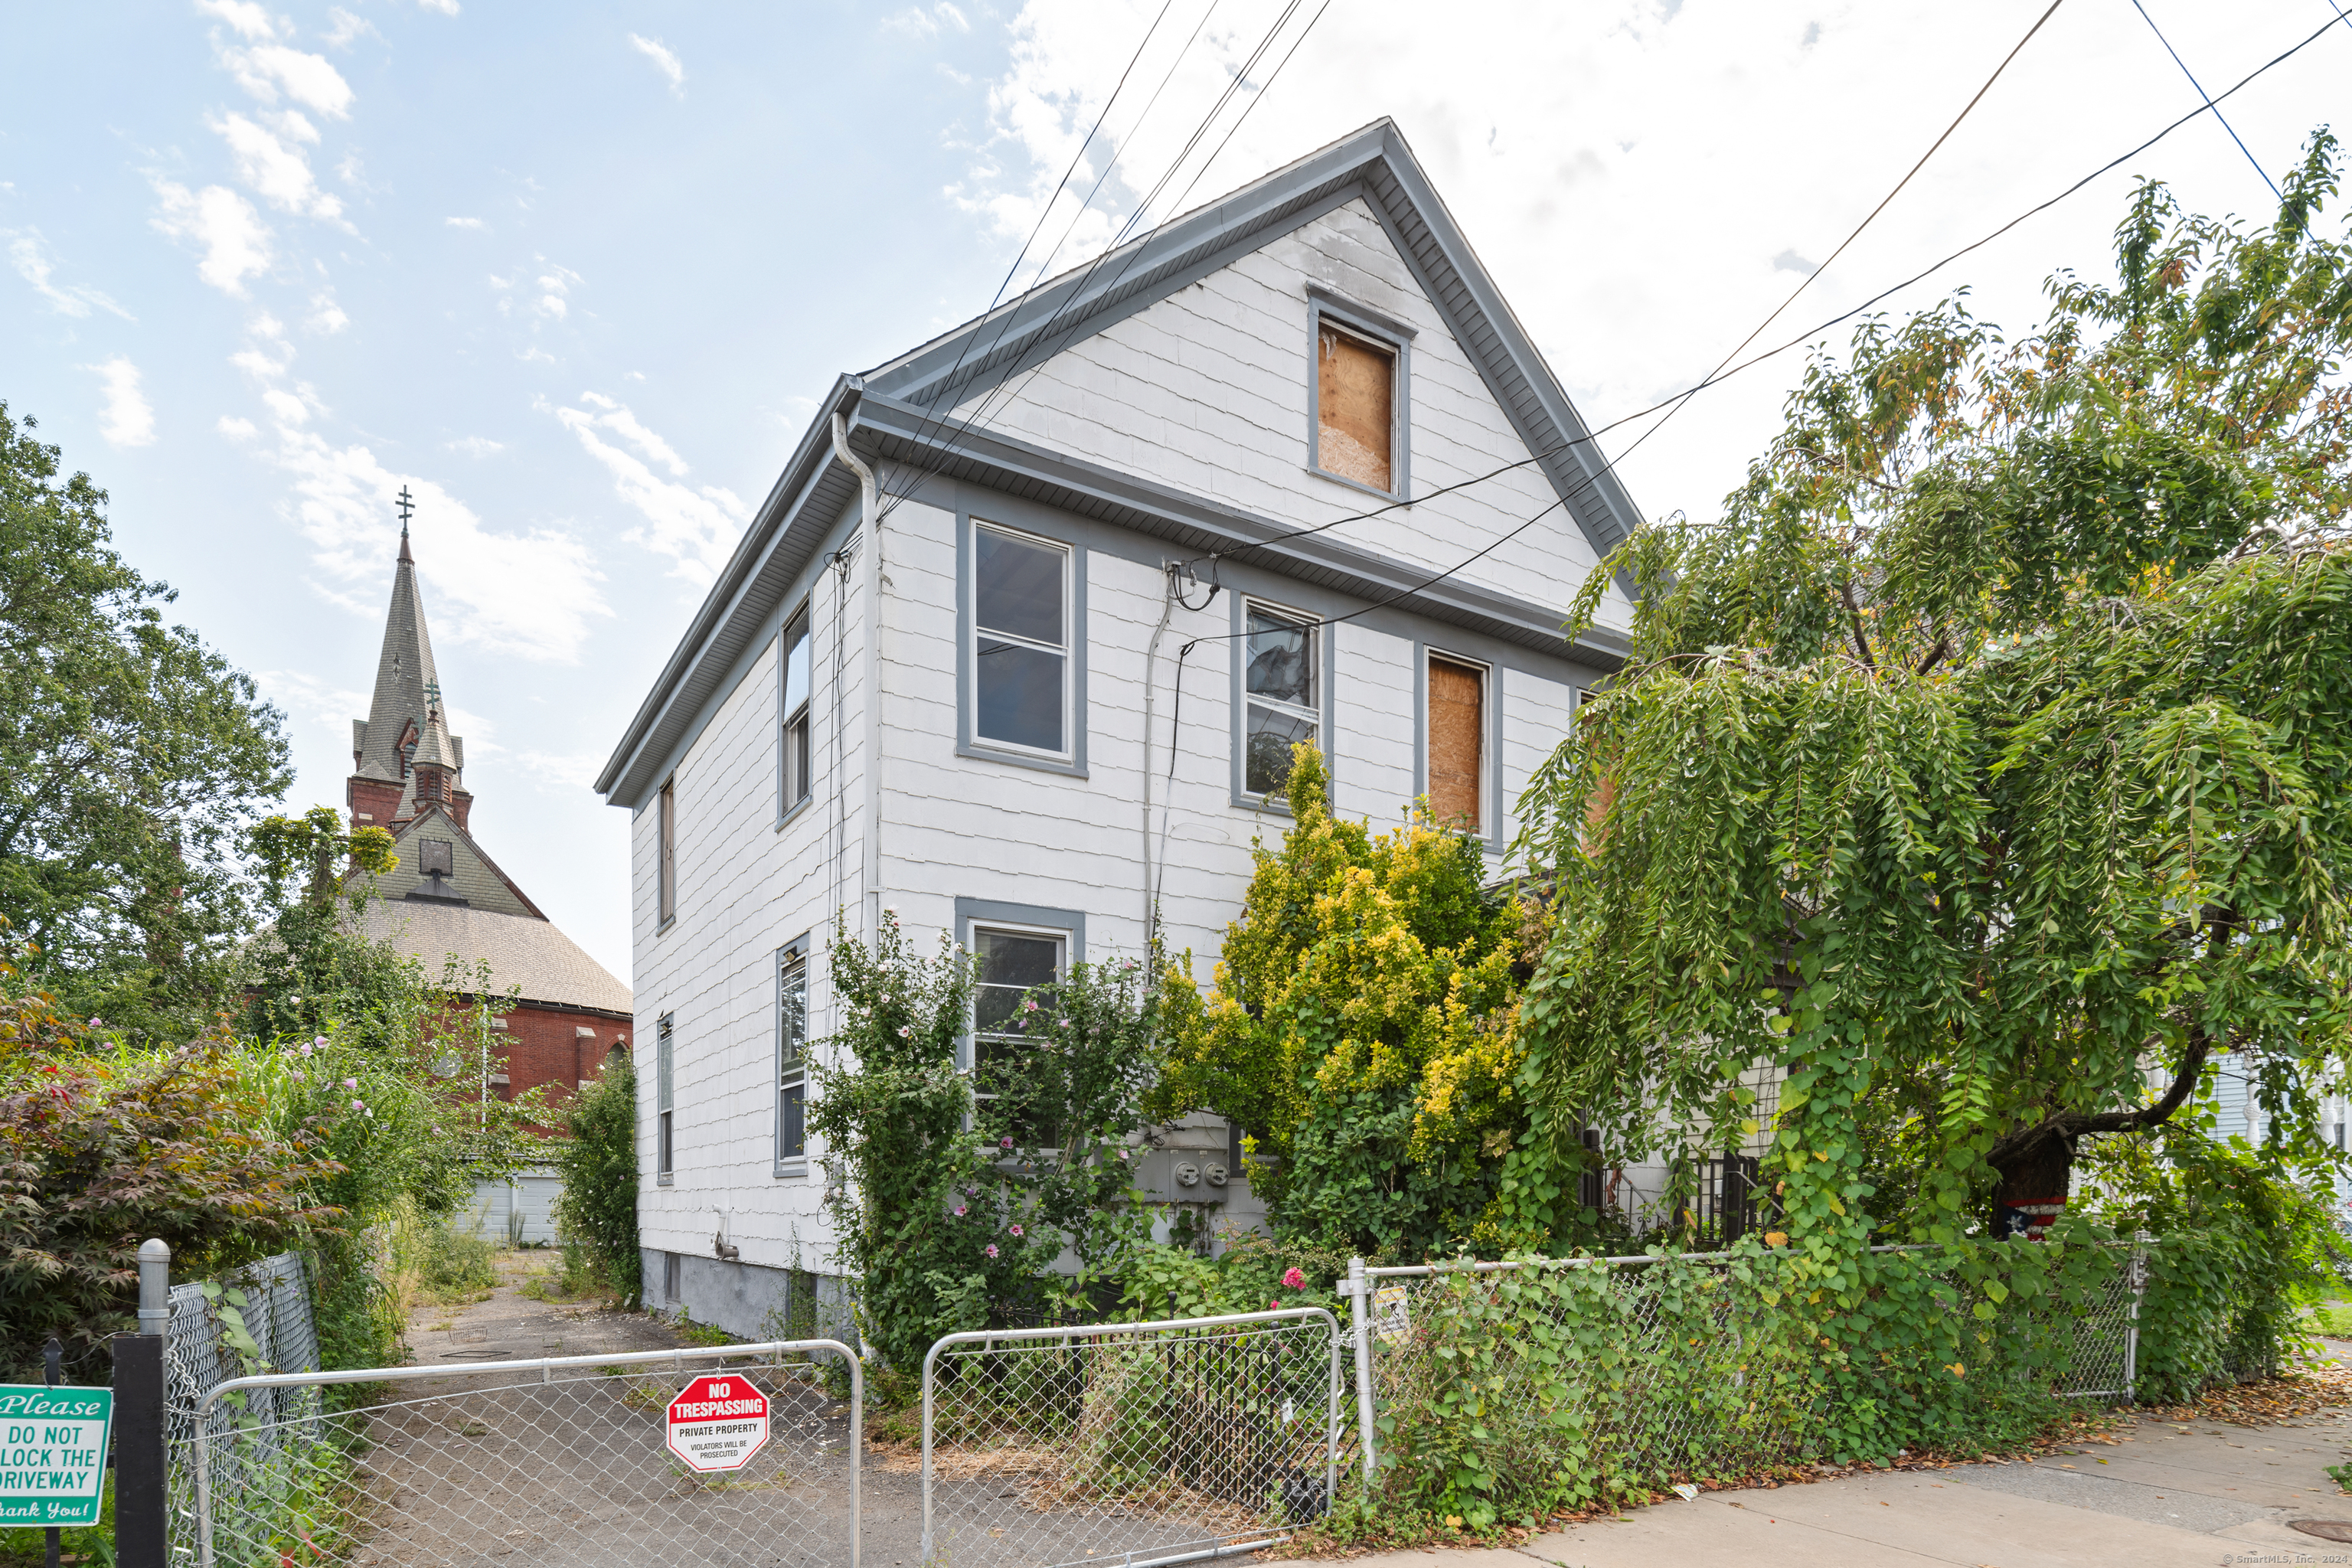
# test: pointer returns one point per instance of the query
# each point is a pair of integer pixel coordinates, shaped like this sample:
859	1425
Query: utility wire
1723	373
1006	392
1754	360
1047	210
2224	119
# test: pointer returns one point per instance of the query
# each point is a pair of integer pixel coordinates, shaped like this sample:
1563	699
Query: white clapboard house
974	712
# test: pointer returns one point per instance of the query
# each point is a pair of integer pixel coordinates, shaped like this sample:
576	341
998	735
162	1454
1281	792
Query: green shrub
596	1214
457	1262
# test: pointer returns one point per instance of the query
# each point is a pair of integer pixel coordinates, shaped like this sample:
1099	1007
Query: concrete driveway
2202	1493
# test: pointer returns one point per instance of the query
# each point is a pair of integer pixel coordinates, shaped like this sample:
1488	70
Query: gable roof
531	957
899	411
473	880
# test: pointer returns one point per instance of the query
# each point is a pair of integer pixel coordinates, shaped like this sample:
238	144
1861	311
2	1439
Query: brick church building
448	899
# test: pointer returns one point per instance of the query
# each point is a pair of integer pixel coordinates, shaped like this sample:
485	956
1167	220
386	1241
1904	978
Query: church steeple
404	758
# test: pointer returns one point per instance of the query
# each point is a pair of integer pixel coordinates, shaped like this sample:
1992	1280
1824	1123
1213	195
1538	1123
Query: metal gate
1129	1443
559	1461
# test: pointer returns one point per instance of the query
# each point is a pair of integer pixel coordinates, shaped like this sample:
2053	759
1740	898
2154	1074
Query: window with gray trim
1454	743
1008	963
793	755
666	869
791	1053
665	1128
1280	678
1020	653
1355	405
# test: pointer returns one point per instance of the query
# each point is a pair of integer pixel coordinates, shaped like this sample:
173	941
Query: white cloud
235	428
348	29
326	318
247	17
127	419
288	408
309	80
311	701
342	499
697	526
234	241
553	290
447	7
465	222
536	355
34	265
665	61
916	22
268	160
477	447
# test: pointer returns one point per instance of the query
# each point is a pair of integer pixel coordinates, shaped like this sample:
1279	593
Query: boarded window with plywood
1457	744
1355	408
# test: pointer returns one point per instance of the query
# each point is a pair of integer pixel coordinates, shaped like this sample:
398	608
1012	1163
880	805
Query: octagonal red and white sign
718	1422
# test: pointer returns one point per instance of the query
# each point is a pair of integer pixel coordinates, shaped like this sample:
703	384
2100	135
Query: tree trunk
2036	1163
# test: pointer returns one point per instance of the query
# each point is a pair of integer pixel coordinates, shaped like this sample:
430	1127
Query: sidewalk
2202	1494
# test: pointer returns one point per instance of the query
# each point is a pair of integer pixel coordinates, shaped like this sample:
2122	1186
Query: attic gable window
1358	396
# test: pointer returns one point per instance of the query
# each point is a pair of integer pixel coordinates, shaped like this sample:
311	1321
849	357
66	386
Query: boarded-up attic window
1355	408
1457	732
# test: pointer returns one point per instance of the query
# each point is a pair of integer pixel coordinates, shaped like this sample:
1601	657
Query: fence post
2138	1281
142	1461
1360	1286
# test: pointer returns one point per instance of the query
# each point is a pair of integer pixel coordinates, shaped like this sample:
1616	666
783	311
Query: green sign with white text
52	1454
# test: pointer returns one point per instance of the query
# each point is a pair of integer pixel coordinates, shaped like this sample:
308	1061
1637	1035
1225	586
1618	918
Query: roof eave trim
807	466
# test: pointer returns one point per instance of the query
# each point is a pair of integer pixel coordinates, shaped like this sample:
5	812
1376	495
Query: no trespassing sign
718	1422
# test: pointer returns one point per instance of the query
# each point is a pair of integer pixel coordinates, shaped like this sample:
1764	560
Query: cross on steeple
406	506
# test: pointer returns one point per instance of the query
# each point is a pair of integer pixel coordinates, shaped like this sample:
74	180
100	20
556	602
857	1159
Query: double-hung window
1007	964
1020	657
1455	743
791	1057
664	1110
1281	682
665	852
793	769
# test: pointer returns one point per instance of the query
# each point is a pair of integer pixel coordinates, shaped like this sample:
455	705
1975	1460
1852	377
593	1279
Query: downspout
869	670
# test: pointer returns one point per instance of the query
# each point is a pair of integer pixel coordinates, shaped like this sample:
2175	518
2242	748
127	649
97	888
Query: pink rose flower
1016	1230
1005	1142
1292	1279
959	1211
991	1250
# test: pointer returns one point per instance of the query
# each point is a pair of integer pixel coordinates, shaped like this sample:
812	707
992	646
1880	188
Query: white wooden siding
1207	390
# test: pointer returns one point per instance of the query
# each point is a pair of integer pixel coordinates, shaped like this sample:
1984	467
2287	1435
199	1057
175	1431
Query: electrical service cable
2193	82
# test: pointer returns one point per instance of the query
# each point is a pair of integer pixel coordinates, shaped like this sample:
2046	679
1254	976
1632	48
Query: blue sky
576	274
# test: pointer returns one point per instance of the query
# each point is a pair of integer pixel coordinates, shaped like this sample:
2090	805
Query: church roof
440	862
529	955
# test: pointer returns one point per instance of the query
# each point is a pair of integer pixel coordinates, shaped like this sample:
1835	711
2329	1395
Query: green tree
1362	1031
133	760
314	968
1987	767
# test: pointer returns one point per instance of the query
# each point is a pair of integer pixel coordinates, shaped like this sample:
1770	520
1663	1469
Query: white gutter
869	672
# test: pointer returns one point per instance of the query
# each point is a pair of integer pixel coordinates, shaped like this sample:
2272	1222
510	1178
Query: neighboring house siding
1207	390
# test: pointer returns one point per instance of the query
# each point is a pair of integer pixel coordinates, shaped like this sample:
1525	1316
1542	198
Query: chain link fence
266	1303
1621	1375
565	1461
1129	1443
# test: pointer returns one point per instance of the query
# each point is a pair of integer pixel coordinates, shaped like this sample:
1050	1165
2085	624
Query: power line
1007	391
1721	376
1047	210
2191	75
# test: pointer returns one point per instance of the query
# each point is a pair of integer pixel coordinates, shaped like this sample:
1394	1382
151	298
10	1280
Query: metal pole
1360	1287
141	1464
155	1288
53	1372
929	1372
2138	1276
857	1460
